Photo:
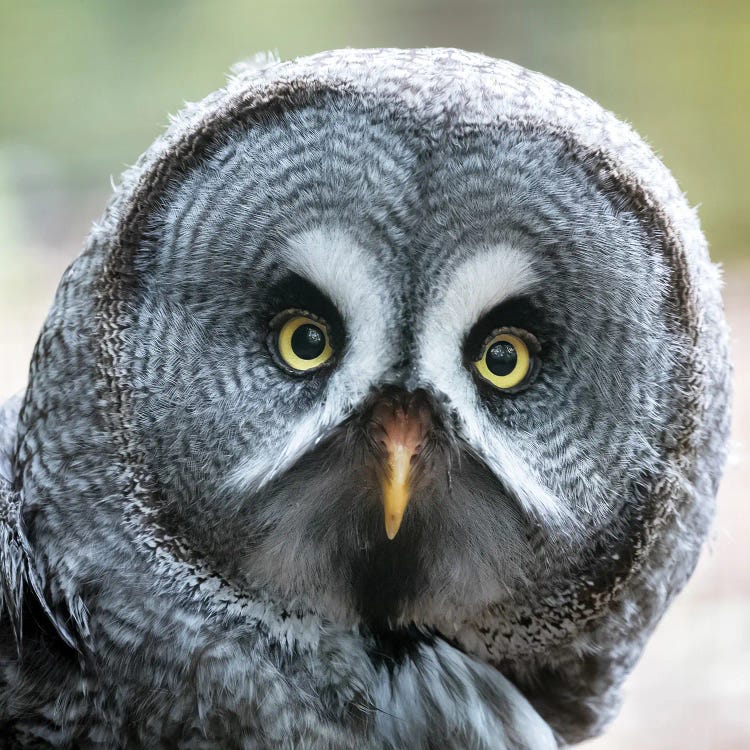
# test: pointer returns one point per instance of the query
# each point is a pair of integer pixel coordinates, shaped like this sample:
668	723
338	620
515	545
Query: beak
402	423
396	489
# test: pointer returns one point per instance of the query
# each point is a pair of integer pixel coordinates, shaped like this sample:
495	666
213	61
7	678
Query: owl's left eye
505	361
302	341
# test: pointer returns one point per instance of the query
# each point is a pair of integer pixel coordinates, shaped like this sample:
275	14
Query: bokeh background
85	86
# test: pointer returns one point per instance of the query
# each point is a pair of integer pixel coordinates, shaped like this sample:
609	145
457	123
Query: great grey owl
385	408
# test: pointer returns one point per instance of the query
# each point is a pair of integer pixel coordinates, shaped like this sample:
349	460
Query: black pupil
501	358
308	341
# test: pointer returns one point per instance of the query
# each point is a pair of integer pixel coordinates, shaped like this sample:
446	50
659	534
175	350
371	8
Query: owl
385	408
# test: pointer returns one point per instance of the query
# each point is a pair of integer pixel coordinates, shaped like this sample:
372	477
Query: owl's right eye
301	341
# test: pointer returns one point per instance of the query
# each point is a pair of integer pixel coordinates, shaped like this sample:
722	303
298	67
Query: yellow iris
505	361
303	343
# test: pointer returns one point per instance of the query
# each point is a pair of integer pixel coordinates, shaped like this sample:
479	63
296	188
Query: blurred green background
85	86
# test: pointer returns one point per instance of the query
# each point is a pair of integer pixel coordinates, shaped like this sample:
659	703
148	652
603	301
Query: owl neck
162	634
224	651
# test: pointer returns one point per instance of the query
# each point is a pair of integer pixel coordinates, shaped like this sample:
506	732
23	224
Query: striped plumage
201	532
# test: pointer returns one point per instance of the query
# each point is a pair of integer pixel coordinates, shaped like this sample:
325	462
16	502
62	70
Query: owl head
401	338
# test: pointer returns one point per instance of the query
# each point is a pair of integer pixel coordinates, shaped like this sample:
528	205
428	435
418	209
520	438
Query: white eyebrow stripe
339	267
489	277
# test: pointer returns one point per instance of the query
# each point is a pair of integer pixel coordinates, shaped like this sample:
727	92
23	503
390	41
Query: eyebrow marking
332	260
490	276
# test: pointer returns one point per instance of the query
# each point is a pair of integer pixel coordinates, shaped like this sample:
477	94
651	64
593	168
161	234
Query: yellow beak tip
396	489
392	525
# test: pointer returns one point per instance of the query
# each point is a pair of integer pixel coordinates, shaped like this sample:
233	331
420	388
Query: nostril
412	419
